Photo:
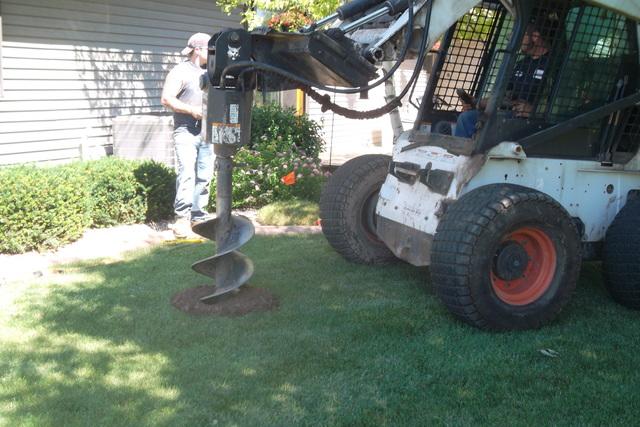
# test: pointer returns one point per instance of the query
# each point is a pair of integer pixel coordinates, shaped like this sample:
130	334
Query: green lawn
290	212
100	344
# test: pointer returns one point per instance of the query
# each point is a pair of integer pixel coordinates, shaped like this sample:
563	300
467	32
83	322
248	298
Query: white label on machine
221	134
234	113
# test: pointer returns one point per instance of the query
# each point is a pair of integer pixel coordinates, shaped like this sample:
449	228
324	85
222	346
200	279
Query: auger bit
228	128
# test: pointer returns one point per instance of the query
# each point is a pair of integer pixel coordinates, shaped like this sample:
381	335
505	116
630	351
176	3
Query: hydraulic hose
251	65
325	100
353	8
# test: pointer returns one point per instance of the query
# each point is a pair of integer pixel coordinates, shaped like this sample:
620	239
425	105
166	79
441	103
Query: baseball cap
196	40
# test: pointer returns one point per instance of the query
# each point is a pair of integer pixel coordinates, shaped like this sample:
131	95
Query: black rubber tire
621	256
347	209
470	236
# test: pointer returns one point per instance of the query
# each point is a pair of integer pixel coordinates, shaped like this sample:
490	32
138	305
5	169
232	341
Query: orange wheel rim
524	266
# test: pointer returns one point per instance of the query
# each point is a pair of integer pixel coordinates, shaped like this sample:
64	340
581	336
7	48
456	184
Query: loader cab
581	103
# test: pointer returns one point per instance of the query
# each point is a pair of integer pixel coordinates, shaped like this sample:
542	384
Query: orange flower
289	179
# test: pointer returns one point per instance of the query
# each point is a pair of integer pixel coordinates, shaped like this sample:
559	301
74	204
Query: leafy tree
476	24
312	8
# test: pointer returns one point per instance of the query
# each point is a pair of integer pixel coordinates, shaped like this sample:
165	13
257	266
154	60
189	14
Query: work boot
205	217
182	228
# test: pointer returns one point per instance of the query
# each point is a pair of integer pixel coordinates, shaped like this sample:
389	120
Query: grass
99	344
290	212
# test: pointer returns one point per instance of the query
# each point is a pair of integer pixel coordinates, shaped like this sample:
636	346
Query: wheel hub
369	216
523	266
511	261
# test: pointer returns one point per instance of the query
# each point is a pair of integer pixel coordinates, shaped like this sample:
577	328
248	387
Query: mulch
246	299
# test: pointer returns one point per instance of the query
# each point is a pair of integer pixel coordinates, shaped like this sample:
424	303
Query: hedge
46	207
116	195
42	208
159	183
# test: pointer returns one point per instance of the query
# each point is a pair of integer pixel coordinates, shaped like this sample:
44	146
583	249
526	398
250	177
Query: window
463	60
599	67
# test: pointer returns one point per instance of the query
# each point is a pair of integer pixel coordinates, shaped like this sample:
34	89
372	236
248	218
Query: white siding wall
347	138
70	66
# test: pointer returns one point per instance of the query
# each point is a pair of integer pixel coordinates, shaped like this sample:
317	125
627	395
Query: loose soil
244	300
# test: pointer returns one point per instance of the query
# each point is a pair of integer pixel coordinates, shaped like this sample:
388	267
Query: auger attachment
228	127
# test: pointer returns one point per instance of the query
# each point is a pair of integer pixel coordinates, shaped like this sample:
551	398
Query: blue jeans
466	124
195	169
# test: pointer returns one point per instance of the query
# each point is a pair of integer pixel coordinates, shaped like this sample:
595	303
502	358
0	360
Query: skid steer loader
540	168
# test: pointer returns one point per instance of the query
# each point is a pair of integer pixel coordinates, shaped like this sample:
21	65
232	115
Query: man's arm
521	108
170	91
469	103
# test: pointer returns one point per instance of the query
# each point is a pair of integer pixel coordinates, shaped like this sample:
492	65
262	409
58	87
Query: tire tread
334	209
621	259
455	239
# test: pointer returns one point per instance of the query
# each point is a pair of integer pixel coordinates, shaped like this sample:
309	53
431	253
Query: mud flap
408	244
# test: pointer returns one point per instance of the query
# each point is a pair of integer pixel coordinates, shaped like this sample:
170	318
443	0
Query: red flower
289	179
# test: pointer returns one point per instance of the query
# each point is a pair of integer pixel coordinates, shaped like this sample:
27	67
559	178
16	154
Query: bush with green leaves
116	195
282	144
42	208
46	207
159	184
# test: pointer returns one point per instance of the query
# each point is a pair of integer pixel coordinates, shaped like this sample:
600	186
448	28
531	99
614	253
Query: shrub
291	20
117	198
42	208
159	184
281	143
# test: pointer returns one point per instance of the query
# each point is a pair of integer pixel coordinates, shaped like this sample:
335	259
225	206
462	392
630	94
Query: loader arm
345	57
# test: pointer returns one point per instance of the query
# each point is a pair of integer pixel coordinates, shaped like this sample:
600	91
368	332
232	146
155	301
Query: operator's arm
172	87
469	103
480	105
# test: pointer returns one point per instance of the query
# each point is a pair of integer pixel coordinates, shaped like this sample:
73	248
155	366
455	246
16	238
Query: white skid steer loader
504	208
523	160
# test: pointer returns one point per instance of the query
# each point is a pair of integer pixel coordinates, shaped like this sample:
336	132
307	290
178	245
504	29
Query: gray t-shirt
188	74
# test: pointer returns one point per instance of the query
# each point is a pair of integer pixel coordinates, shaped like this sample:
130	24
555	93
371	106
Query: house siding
348	138
69	67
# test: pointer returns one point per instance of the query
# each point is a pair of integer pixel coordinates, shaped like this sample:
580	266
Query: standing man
182	94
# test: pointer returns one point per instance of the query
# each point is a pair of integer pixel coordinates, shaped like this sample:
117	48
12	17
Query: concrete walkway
110	243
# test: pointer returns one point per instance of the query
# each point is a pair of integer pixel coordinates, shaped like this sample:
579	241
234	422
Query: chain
326	104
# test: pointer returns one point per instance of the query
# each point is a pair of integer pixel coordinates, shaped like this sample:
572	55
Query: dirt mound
245	300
